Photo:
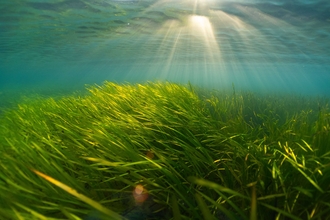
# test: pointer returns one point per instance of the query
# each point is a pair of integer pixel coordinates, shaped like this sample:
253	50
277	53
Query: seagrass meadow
162	150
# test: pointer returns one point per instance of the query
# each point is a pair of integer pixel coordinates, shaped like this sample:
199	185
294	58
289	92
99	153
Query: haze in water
278	46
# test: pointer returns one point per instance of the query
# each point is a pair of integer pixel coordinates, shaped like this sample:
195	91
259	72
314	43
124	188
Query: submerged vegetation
166	151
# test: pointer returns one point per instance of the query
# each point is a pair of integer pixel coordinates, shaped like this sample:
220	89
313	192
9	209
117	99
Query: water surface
265	46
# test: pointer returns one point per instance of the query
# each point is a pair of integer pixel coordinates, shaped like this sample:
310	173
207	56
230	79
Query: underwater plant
165	151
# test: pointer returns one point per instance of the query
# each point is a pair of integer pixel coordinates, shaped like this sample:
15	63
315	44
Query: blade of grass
203	207
175	208
83	198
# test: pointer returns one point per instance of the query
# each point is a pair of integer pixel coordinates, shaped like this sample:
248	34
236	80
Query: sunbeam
209	42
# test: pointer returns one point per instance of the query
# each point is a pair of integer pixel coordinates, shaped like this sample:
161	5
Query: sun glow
200	20
192	40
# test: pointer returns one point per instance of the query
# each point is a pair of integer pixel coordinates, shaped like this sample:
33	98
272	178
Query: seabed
165	151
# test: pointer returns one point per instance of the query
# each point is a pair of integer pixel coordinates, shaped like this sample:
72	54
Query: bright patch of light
139	189
200	21
140	194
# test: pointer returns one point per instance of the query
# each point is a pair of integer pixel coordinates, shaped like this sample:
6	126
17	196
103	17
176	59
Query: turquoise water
263	46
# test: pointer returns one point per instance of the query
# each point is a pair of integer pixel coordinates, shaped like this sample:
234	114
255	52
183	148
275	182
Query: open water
280	46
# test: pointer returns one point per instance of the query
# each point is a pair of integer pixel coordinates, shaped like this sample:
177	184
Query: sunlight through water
253	44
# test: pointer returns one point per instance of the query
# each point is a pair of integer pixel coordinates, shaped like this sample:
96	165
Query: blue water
262	46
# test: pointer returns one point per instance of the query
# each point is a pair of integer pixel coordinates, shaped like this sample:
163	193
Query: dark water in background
265	46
